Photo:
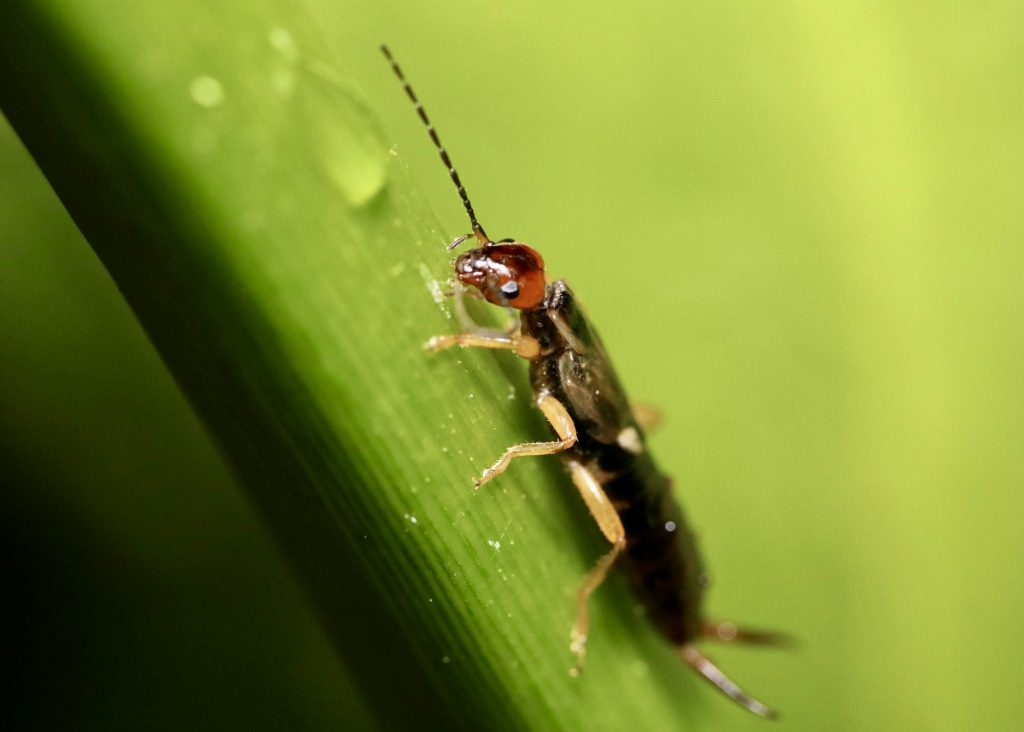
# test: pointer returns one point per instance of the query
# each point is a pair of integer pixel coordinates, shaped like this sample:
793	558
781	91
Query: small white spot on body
206	91
496	545
629	440
670	526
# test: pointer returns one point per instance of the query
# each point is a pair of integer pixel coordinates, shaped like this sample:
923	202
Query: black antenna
478	230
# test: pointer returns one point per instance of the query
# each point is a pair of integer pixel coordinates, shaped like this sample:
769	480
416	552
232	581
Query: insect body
600	441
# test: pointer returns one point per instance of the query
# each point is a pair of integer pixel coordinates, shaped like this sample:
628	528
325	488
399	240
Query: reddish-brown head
507	274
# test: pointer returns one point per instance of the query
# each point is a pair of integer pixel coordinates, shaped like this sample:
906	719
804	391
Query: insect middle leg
560	420
608	521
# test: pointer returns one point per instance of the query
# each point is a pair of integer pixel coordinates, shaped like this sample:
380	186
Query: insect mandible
599	439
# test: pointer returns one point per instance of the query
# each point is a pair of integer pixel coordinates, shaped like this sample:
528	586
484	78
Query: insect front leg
558	416
459	293
610	524
524	346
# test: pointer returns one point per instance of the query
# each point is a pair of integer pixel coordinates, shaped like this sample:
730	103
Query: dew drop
283	42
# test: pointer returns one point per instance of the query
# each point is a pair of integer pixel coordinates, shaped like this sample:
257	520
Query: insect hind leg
608	521
648	416
703	665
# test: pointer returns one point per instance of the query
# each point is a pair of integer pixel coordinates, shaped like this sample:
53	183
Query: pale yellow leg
459	293
608	522
525	346
647	416
559	418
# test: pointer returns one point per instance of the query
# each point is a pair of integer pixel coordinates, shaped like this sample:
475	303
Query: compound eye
510	289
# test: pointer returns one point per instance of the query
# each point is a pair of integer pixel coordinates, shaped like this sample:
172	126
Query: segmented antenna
478	230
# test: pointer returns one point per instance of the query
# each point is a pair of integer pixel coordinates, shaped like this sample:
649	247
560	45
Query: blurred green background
798	226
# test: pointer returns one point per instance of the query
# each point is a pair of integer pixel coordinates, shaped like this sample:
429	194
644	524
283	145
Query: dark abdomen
661	557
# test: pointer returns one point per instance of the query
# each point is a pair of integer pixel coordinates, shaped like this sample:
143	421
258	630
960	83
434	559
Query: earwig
599	439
